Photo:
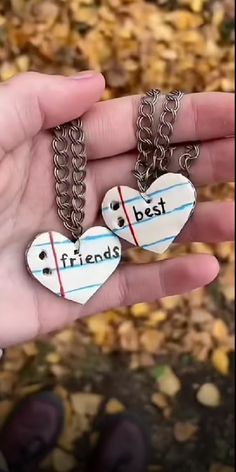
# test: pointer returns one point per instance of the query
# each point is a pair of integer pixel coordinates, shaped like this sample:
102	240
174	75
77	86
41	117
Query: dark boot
31	432
123	446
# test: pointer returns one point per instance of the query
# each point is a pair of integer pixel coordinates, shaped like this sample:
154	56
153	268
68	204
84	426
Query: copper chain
155	153
70	167
145	123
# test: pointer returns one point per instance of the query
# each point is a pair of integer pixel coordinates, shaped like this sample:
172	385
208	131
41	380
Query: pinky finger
134	283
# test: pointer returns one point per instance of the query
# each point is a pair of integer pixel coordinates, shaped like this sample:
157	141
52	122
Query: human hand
30	105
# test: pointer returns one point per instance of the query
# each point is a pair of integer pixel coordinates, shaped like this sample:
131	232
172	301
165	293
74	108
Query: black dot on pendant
121	222
115	205
47	271
42	255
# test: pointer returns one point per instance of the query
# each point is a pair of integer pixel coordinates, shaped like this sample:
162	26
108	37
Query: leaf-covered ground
171	362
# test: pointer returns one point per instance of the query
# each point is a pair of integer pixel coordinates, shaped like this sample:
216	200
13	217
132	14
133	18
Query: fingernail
87	74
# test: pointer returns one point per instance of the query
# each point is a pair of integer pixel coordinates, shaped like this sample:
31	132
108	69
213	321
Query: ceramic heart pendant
74	271
152	222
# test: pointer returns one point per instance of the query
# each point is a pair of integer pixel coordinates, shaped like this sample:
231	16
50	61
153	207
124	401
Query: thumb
32	101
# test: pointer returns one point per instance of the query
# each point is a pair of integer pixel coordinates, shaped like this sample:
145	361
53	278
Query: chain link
165	130
187	159
145	123
155	153
70	166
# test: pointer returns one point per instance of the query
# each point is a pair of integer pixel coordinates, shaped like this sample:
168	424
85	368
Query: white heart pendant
153	222
74	271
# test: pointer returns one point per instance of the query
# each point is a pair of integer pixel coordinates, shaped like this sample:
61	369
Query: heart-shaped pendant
151	221
74	271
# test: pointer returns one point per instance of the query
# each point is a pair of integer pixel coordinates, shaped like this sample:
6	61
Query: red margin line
127	216
57	266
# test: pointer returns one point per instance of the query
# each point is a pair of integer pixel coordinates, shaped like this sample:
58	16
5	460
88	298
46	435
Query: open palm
31	104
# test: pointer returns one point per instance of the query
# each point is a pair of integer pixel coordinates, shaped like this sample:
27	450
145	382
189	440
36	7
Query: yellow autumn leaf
129	338
168	382
220	361
140	310
114	406
86	403
30	349
197	5
7	71
220	330
160	400
156	317
209	395
53	358
152	340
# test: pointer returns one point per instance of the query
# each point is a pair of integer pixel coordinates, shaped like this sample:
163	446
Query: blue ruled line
82	288
67	241
156	243
157	192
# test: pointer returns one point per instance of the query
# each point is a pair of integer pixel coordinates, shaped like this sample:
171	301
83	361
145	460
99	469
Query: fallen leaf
65	336
184	20
201	316
140	310
7	71
168	382
134	361
114	406
220	361
220	330
30	349
53	358
103	332
23	63
151	340
146	360
86	403
75	427
184	432
197	5
209	395
170	303
156	317
160	400
167	412
196	298
129	339
226	281
59	371
2	21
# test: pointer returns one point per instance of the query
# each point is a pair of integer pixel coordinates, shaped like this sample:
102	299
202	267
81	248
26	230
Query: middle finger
214	165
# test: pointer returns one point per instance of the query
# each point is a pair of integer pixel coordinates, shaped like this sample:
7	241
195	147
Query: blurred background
150	359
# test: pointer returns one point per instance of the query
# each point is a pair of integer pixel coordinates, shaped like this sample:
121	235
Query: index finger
110	126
